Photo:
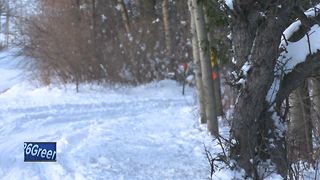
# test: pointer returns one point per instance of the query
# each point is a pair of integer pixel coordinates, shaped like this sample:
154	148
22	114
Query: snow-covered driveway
146	132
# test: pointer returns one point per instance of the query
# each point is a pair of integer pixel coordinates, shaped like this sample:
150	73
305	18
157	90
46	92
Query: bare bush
77	41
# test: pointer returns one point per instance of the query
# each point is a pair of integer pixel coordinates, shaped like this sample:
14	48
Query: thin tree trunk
216	82
77	68
197	69
215	69
166	25
315	85
97	61
300	126
124	14
206	69
0	21
316	94
217	90
7	28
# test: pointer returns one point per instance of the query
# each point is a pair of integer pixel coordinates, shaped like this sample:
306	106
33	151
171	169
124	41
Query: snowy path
9	71
147	132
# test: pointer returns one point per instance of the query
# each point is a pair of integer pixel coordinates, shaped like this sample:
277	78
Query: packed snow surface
103	132
145	132
138	133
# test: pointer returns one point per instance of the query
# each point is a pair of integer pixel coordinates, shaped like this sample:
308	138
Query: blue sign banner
40	151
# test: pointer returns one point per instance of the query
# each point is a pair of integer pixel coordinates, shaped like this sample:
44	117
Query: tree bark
216	83
206	69
300	126
215	68
7	28
166	26
197	68
124	15
249	127
0	19
147	10
315	86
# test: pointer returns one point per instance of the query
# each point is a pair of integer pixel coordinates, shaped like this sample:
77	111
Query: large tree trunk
300	126
197	68
243	34
206	69
256	41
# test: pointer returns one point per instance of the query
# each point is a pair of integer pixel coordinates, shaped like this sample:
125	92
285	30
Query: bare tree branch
305	21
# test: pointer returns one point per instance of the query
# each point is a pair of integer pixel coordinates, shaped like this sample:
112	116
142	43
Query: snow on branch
300	72
294	27
300	59
296	52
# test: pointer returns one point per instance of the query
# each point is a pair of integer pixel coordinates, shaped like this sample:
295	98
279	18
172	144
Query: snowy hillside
147	132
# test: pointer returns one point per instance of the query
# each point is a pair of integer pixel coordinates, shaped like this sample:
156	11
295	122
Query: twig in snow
309	44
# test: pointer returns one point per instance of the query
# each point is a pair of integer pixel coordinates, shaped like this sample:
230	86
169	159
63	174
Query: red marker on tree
214	75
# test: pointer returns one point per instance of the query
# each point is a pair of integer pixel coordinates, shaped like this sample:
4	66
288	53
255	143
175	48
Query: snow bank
28	95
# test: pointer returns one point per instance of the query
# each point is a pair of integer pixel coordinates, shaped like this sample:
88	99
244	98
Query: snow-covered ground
145	132
11	72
